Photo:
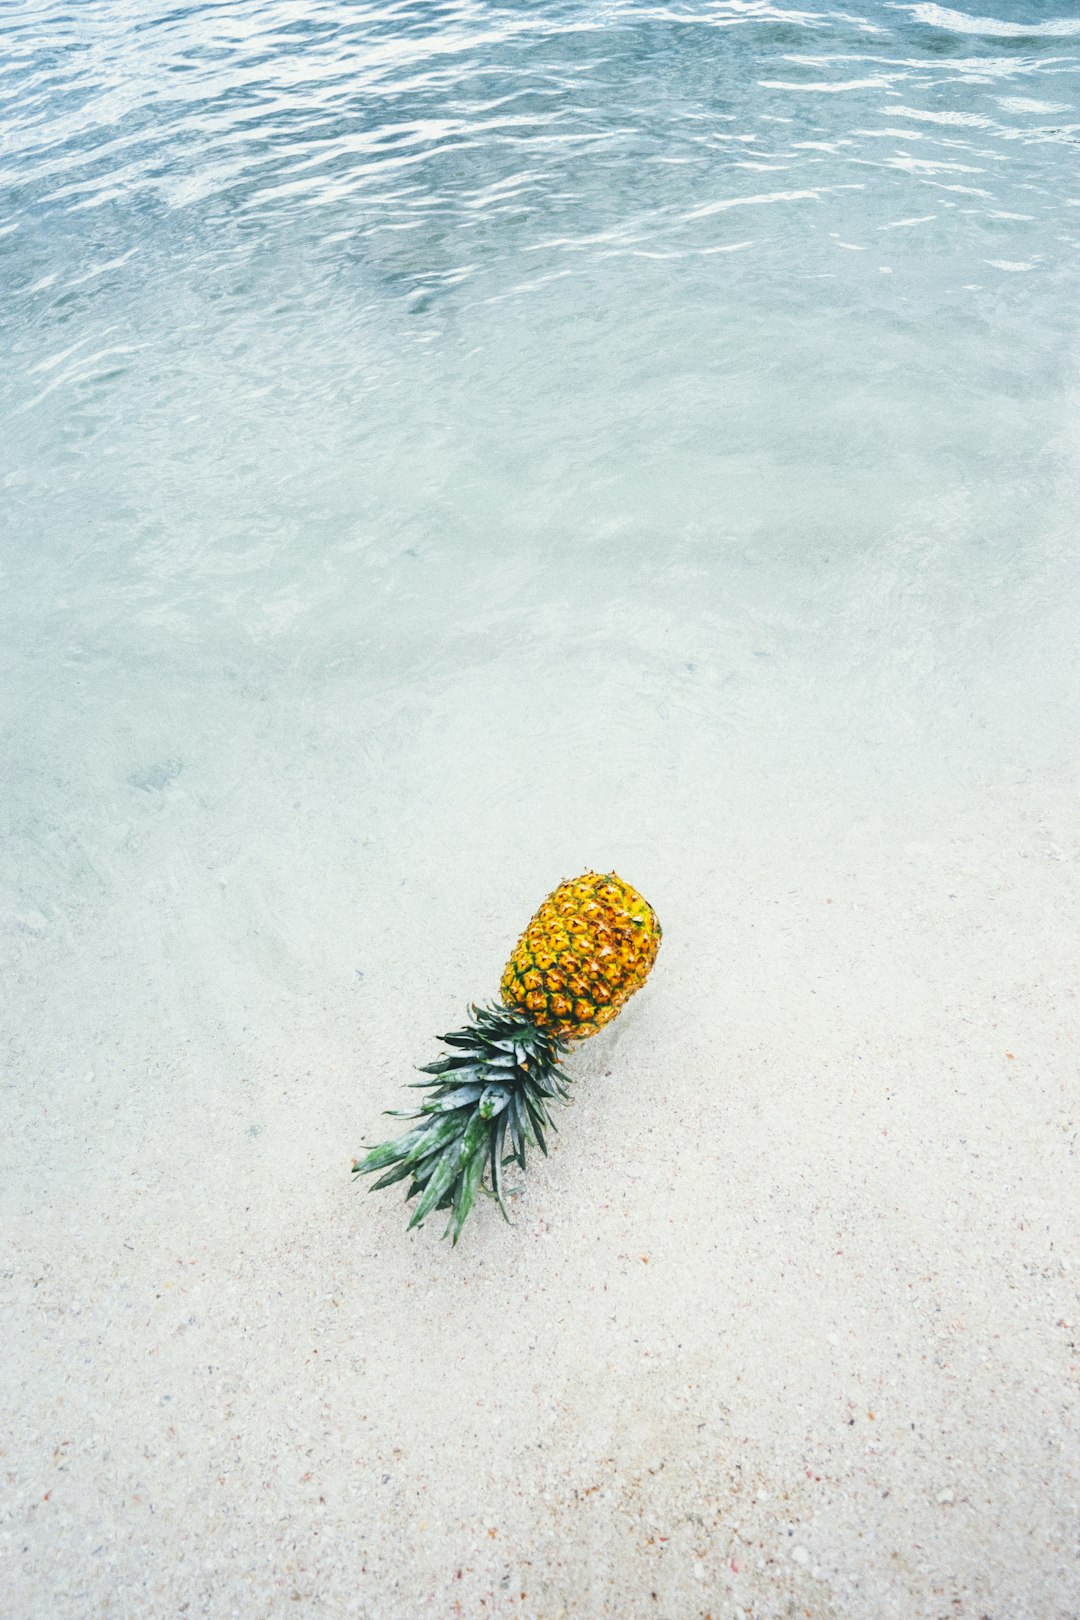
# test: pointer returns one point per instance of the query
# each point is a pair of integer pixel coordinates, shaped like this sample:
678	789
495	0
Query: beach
415	498
785	1322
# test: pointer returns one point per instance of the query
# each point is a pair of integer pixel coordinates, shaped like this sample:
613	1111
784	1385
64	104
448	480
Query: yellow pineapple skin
589	947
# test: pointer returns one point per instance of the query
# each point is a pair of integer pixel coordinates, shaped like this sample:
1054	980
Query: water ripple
379	275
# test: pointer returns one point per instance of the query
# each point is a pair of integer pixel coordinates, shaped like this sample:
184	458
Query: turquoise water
518	436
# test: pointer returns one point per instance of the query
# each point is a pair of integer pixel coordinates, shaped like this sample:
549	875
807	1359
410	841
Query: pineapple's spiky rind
588	948
498	1082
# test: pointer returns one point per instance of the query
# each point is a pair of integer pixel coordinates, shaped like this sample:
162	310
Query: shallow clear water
444	447
535	435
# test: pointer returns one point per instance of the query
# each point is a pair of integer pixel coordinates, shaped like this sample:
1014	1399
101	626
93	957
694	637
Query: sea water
445	446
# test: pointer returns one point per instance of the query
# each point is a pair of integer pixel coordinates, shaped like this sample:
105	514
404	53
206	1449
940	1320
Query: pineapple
588	948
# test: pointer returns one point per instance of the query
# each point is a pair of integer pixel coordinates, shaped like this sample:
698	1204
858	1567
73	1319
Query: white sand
789	1323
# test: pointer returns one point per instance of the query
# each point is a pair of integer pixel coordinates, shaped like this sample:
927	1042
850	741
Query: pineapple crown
499	1081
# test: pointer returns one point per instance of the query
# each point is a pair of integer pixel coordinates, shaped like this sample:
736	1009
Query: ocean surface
678	385
450	441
